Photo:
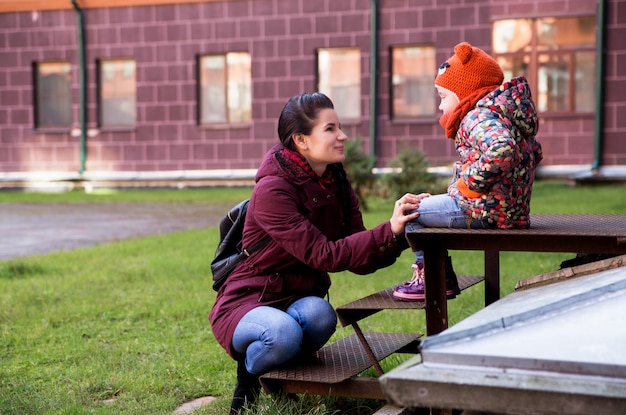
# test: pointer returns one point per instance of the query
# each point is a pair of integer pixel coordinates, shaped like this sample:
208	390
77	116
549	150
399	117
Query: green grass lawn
122	328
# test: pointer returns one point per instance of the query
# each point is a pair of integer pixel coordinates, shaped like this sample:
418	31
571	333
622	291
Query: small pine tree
412	175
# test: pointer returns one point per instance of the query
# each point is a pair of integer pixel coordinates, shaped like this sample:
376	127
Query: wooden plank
333	368
344	358
571	272
355	387
502	392
384	300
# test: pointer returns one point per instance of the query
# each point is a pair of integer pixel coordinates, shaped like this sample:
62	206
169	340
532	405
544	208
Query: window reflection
553	92
225	88
413	74
117	93
339	77
560	68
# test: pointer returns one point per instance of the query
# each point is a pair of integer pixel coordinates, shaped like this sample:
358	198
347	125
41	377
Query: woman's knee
313	313
268	327
317	319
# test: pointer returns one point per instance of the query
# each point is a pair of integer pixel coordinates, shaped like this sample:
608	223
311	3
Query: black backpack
230	251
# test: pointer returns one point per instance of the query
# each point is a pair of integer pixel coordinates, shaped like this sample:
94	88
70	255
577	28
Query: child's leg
438	211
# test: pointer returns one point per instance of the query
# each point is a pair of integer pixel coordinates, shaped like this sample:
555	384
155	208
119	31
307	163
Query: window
339	77
53	101
557	55
117	93
412	81
225	88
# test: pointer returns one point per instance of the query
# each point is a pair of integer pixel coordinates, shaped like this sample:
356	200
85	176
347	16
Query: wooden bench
334	369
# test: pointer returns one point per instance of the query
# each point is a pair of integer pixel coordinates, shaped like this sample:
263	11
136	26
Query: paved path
29	229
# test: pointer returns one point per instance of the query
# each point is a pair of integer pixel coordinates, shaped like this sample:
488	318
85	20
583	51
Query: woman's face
449	100
325	144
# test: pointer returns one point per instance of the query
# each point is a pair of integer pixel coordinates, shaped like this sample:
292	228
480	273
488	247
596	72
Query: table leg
435	286
492	276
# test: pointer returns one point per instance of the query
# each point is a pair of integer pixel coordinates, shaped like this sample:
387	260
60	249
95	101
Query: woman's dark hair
299	116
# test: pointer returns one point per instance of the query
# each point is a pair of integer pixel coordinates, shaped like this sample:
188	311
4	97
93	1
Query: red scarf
298	159
451	121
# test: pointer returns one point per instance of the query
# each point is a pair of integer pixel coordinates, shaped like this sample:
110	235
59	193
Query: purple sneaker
414	288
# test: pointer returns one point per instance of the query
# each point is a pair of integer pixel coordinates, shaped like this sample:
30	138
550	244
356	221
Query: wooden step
391	409
333	369
384	300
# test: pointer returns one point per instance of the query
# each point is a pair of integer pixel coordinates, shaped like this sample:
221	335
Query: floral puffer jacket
498	154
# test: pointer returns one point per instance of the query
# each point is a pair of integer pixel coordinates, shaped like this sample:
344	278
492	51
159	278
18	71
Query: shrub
411	175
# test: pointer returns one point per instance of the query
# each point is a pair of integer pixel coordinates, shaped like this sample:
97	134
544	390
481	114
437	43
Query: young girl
271	309
493	126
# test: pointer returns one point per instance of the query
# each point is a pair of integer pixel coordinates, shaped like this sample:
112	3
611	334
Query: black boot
246	390
452	284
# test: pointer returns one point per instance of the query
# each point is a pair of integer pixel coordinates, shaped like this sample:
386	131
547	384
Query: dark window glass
53	95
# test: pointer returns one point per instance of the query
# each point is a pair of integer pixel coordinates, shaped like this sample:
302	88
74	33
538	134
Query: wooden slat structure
334	369
577	233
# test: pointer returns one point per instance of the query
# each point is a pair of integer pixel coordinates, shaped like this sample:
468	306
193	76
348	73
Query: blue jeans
269	337
440	211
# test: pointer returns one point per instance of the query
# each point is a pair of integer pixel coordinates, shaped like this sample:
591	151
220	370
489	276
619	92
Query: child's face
449	100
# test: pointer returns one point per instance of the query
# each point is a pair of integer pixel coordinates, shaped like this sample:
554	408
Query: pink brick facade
282	38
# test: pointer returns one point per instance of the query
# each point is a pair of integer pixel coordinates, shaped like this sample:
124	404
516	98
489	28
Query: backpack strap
257	246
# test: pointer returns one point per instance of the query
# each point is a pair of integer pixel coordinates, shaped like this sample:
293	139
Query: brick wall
614	147
282	37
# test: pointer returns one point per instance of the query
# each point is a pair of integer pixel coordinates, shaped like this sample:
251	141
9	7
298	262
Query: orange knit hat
468	70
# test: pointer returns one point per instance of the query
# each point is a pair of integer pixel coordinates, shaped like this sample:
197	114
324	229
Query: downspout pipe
373	79
599	120
83	85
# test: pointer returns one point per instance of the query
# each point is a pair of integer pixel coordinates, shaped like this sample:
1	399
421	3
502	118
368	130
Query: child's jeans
269	337
441	211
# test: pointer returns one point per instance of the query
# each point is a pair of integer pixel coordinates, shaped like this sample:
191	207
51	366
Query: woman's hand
409	202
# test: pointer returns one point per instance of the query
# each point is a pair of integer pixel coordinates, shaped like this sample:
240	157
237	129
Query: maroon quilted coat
304	220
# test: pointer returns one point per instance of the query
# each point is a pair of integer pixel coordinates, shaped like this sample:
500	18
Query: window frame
227	120
339	104
37	99
100	65
430	75
533	53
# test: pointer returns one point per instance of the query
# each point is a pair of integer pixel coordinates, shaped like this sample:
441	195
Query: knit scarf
298	160
451	121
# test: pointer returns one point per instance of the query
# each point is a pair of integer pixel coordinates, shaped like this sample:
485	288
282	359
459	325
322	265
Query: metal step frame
333	369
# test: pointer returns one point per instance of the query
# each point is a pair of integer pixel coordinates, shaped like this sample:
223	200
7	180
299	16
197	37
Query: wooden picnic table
334	369
576	233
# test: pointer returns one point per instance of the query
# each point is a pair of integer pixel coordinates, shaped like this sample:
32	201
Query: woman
271	309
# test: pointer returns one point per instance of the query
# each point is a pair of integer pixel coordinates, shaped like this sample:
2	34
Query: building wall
282	37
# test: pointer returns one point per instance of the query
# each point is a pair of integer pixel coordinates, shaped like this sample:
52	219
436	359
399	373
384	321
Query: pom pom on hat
468	70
